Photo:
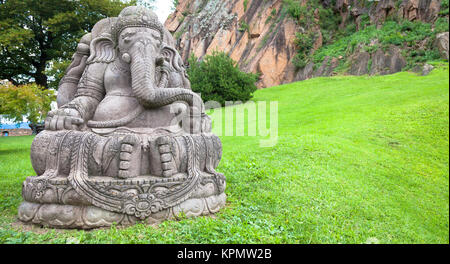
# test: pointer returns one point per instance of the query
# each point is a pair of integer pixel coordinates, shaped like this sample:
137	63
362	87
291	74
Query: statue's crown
137	16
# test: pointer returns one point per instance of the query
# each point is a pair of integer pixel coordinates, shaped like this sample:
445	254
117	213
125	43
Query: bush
293	8
441	25
444	8
218	78
303	43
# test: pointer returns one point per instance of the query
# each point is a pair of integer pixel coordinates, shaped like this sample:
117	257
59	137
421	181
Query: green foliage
245	5
243	26
444	8
56	71
35	33
30	100
405	34
337	42
364	21
179	33
273	26
304	14
328	22
358	159
273	12
441	24
304	43
218	78
175	3
294	9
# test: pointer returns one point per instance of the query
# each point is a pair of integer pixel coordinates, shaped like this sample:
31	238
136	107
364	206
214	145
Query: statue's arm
68	85
90	92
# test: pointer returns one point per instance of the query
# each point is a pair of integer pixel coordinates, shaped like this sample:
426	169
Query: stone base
89	217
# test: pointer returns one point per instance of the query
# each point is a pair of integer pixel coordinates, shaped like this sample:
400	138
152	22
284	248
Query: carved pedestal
68	194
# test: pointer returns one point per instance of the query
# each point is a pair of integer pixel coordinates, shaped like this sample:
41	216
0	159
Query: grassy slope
359	159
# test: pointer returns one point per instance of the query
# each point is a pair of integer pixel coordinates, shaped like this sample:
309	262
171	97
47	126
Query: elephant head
139	39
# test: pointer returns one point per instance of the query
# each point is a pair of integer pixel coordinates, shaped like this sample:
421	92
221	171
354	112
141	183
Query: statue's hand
64	119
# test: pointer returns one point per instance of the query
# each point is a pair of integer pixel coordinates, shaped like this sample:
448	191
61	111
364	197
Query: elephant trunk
143	81
143	68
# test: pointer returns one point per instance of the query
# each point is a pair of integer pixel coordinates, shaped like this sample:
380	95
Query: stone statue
130	141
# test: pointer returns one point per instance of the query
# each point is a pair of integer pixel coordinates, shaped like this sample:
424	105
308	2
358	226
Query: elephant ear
102	50
173	57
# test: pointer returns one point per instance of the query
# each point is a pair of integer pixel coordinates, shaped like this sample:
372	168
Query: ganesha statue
130	141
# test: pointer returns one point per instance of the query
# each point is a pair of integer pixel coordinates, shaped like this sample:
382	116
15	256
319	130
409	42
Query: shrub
293	8
218	78
441	25
243	26
304	43
303	15
444	8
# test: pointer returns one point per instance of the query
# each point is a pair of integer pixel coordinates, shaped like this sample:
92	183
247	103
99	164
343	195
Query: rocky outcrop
379	11
252	32
421	10
442	44
387	62
327	67
260	35
360	63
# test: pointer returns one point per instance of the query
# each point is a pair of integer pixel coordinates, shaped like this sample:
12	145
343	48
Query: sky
163	8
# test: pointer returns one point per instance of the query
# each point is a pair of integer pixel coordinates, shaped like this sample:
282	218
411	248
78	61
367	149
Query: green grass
359	159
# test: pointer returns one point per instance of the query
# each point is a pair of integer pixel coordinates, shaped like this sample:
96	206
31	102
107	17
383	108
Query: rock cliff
260	35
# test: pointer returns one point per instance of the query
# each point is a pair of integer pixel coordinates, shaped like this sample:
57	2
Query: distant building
14	130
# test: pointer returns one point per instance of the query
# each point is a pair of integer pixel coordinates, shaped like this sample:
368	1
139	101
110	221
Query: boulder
387	62
360	62
419	10
306	73
427	68
379	12
327	67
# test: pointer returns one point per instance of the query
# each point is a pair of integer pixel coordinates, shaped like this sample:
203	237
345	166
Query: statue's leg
130	157
168	165
172	154
115	156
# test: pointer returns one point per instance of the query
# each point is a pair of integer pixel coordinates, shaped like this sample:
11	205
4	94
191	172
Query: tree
218	78
40	36
30	100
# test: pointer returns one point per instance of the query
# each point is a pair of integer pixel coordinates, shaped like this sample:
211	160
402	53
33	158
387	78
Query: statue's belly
154	118
115	107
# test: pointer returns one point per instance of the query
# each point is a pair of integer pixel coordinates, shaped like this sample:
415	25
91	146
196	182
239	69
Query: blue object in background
22	125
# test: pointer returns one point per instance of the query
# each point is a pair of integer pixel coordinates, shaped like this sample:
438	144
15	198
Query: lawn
358	160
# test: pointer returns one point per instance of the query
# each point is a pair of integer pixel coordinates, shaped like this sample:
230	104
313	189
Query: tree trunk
41	79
